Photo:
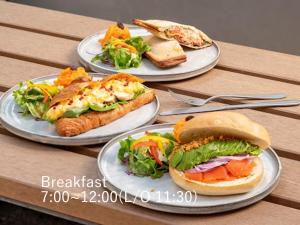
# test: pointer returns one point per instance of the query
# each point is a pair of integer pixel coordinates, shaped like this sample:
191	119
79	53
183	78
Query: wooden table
36	42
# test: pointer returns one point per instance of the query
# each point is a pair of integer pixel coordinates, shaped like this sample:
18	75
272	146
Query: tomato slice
240	168
154	153
153	149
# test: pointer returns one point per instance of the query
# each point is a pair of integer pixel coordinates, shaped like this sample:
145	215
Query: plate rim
159	206
67	141
165	77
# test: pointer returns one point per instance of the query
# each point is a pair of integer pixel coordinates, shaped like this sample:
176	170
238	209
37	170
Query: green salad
123	54
34	99
148	155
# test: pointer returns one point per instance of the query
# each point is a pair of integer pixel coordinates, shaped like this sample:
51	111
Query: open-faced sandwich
76	103
147	155
218	153
186	35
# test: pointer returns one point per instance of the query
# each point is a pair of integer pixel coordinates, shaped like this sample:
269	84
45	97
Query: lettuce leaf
183	160
30	100
140	45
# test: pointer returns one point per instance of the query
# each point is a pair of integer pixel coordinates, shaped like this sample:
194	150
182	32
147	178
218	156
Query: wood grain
49	22
13	71
38	48
25	186
251	61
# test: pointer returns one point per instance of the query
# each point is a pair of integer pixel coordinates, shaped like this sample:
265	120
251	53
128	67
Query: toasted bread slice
165	53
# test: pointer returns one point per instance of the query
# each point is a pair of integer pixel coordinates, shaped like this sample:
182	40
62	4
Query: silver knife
188	110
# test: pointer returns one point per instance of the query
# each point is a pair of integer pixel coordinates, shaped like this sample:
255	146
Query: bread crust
227	123
74	126
167	62
237	186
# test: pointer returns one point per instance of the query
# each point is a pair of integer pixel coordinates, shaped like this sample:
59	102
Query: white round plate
164	195
198	61
42	131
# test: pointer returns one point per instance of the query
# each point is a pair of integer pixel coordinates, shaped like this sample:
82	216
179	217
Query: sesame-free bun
236	186
230	124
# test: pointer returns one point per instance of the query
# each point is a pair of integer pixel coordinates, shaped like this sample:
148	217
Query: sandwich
186	35
164	53
83	106
218	153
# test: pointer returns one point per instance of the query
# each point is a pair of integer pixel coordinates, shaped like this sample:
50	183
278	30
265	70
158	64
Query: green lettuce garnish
31	99
183	160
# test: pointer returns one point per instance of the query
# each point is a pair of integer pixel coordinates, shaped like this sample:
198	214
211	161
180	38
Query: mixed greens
148	155
183	160
34	99
120	49
123	54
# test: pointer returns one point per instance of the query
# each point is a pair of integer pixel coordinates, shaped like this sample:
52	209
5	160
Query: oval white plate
198	61
164	195
43	131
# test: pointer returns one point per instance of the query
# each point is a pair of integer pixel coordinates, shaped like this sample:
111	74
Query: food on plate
120	49
147	155
186	35
118	31
79	103
218	153
34	99
68	76
164	53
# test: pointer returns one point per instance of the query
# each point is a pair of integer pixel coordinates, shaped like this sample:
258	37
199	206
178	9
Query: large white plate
198	61
43	131
164	195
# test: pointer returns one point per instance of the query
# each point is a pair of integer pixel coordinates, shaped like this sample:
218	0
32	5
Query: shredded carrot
177	127
68	75
116	32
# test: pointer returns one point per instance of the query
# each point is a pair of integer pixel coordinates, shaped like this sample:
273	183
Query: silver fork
199	102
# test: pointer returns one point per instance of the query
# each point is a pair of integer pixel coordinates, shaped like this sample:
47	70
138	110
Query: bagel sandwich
218	153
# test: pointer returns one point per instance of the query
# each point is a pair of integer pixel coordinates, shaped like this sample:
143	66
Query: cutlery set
198	103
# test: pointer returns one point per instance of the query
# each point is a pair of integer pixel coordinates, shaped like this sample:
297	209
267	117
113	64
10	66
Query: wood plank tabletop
37	42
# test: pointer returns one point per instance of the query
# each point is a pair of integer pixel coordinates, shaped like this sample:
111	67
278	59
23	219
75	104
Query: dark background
267	24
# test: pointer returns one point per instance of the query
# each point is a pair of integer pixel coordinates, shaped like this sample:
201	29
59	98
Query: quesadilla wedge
186	35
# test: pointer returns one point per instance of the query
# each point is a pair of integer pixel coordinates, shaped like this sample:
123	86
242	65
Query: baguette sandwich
218	153
82	106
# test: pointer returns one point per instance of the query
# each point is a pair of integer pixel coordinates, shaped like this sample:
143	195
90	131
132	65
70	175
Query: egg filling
99	97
